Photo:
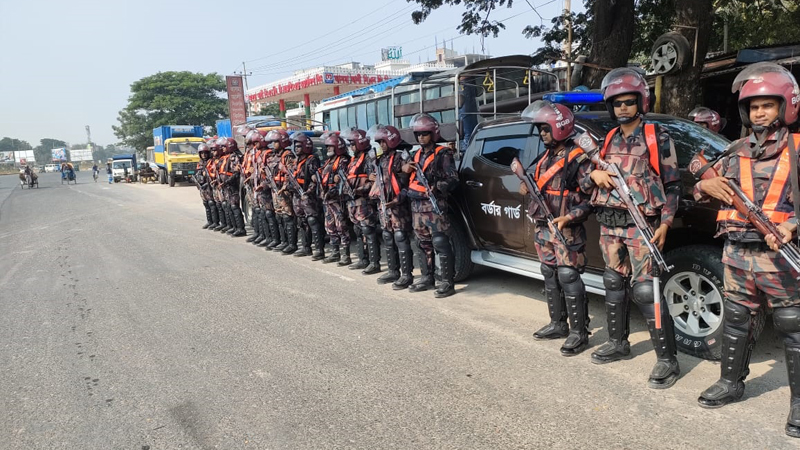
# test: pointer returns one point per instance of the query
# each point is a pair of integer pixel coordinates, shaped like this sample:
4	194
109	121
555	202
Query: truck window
189	148
503	150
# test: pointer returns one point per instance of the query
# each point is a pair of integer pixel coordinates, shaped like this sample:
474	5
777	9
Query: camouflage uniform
284	205
269	197
335	218
557	175
203	181
307	205
213	166
757	279
396	220
360	209
626	256
230	171
431	229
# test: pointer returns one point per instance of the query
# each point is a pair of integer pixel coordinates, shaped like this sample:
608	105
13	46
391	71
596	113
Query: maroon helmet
204	148
557	116
228	145
301	144
625	80
423	122
254	138
707	116
389	134
338	144
356	137
280	136
213	145
767	79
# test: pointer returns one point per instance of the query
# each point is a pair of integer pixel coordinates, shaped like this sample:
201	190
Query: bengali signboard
25	157
59	154
7	158
236	105
80	154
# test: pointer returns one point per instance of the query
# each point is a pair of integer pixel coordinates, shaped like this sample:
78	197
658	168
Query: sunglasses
423	133
545	130
629	102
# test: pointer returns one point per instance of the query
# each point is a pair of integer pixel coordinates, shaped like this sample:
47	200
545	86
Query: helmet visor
756	72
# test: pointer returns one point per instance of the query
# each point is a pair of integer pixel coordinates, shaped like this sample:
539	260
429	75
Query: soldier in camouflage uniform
397	218
278	144
203	182
757	277
230	174
361	209
438	167
284	206
216	186
306	203
645	155
335	215
249	173
557	174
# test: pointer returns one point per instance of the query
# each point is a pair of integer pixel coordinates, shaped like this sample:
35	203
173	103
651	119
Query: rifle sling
795	180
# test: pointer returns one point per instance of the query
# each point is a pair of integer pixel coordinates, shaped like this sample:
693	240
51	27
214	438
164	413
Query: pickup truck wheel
461	250
162	176
693	291
171	180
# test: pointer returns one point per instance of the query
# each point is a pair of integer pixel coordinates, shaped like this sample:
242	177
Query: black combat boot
361	253
223	217
255	224
406	261
238	221
793	367
209	220
666	371
304	235
291	235
557	328
447	262
373	251
739	333
345	259
577	311
266	234
617	319
278	232
214	215
318	236
220	217
229	224
391	259
334	255
425	281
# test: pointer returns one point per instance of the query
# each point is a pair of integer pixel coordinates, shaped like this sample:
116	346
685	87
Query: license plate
191	172
178	172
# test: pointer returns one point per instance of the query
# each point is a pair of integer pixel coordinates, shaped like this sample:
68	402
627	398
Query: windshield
122	165
189	148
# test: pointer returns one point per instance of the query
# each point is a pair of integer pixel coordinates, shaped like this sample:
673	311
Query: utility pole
244	73
568	17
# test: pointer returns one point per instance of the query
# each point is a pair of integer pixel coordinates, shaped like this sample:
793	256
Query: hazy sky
67	64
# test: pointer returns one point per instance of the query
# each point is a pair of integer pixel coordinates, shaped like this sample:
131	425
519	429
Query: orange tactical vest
301	181
413	183
780	175
553	170
650	139
393	176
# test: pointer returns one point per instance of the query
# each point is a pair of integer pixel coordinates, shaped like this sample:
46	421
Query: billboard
59	154
80	154
236	107
25	157
7	158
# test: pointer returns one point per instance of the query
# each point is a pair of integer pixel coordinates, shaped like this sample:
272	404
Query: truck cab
175	152
122	165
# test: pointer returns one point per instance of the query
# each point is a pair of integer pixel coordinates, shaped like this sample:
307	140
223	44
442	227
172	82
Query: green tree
755	23
8	144
274	109
170	98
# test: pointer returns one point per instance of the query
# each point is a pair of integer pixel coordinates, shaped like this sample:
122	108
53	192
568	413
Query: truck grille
184	166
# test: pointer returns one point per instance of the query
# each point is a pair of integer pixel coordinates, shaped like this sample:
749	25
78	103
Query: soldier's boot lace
578	316
406	269
666	370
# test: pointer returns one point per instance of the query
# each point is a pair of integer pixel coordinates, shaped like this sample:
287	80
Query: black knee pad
357	231
548	271
367	230
568	275
441	242
388	237
400	237
269	213
643	293
613	280
787	323
737	315
312	221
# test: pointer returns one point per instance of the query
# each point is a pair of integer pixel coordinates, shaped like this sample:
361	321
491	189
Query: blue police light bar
574	98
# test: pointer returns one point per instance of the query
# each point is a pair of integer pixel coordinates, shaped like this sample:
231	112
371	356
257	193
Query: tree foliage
43	151
274	109
170	98
755	23
8	144
475	18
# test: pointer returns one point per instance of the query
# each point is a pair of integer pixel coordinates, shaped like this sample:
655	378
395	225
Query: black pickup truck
493	229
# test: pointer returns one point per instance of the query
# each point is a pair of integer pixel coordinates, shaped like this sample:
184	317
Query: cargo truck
175	152
122	165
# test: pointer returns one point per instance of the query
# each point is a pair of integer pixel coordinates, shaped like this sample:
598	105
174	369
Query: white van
51	167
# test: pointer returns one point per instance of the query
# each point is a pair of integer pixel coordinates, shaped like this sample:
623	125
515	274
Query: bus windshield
187	148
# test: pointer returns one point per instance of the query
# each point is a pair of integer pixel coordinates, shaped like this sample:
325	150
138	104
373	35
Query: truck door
491	190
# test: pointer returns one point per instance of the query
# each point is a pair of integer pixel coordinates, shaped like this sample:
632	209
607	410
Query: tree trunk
612	38
681	90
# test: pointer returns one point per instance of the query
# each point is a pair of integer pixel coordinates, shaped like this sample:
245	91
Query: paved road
123	325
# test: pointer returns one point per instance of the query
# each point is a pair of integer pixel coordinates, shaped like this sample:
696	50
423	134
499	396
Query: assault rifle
292	180
379	185
270	177
344	185
538	198
428	191
588	144
754	214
